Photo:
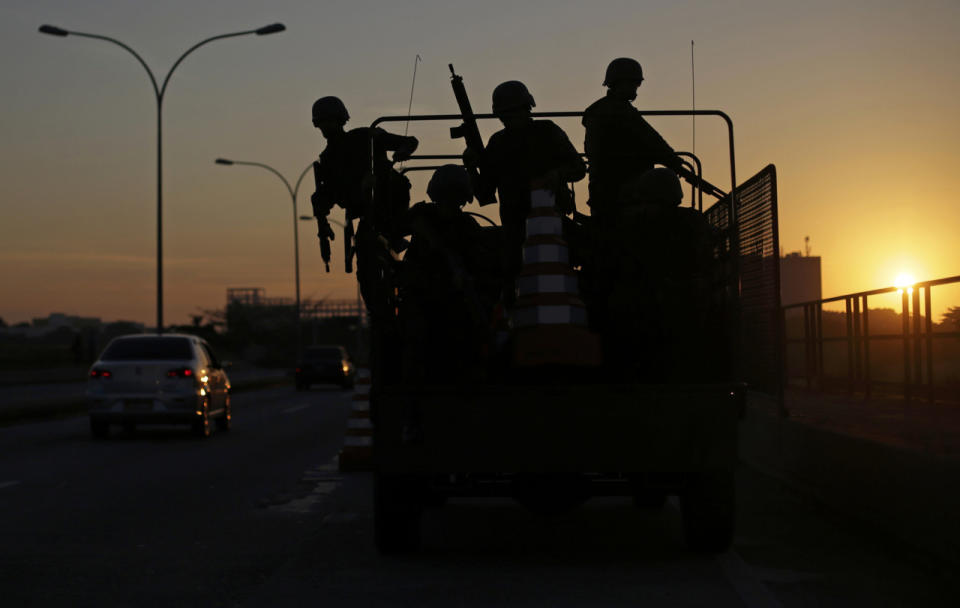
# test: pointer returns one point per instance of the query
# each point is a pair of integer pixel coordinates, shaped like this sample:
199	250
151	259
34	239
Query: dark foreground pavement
261	517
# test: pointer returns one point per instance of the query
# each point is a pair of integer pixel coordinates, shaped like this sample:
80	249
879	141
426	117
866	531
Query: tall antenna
693	88
412	85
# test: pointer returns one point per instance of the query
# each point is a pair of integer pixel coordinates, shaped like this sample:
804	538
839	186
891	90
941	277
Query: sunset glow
86	108
904	279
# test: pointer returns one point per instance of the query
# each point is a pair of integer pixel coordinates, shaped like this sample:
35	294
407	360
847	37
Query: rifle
325	235
470	133
703	184
348	246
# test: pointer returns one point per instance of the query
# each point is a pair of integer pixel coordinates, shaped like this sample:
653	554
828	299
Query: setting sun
904	280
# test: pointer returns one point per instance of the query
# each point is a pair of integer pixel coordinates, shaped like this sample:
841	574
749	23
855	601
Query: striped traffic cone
549	318
357	452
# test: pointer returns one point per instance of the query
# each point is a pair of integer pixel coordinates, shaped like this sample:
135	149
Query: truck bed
558	429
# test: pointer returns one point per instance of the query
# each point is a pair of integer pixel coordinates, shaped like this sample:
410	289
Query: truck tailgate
579	428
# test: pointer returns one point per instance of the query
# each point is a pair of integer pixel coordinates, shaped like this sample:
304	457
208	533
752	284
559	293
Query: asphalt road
260	516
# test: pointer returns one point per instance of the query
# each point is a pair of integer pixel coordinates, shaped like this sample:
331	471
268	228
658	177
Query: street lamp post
296	239
159	92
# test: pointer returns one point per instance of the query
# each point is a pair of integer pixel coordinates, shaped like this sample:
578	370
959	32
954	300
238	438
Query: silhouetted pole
159	92
296	238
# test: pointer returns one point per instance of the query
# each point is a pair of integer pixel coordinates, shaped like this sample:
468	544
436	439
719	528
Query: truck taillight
100	373
180	372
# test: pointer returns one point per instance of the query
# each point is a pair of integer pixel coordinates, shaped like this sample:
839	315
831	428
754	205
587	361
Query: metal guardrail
917	339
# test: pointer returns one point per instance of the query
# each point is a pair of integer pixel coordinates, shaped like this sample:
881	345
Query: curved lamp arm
211	39
224	161
55	31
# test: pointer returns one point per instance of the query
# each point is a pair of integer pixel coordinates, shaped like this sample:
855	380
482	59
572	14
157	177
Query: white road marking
741	576
327	481
295	409
750	589
7	484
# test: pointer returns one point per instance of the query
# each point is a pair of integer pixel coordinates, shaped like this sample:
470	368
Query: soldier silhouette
621	145
657	275
344	179
445	281
524	150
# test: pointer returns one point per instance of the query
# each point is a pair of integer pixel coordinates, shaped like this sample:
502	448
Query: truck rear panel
557	429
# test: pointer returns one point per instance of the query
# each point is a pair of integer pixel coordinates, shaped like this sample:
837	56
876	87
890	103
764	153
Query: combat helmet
450	184
330	108
512	95
623	69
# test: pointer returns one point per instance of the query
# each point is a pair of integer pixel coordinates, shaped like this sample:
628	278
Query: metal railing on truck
459	117
746	219
693	165
919	346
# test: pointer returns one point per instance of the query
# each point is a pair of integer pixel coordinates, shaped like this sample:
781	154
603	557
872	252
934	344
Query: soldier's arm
324	196
571	167
402	146
649	139
485	162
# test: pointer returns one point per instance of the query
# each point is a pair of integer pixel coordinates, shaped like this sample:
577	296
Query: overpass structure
310	309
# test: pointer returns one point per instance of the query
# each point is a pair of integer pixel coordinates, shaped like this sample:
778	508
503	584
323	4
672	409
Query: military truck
553	443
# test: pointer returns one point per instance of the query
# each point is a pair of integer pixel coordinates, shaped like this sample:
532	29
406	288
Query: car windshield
325	353
148	349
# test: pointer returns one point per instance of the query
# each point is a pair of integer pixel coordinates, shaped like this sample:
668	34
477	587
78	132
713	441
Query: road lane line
741	576
296	409
7	484
745	582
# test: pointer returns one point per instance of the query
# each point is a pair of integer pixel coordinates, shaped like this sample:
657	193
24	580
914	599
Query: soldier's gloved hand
471	157
317	201
324	231
409	147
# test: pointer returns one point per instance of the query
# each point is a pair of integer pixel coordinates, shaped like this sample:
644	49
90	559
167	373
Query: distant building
800	278
256	298
56	320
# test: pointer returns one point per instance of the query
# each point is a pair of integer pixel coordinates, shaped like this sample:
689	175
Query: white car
158	379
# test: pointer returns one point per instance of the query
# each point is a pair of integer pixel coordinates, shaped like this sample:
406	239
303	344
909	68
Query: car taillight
299	370
100	373
180	372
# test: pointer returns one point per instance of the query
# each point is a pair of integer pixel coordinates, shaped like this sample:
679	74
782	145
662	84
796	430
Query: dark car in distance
328	364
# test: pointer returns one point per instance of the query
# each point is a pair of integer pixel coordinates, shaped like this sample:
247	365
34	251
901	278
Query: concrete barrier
910	494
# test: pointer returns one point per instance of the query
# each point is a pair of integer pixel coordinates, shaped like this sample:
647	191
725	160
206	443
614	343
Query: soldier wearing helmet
656	282
524	150
448	281
344	178
619	143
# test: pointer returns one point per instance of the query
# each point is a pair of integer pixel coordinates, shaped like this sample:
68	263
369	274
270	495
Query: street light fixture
159	92
296	239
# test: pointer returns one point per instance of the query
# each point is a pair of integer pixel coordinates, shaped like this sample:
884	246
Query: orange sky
856	106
